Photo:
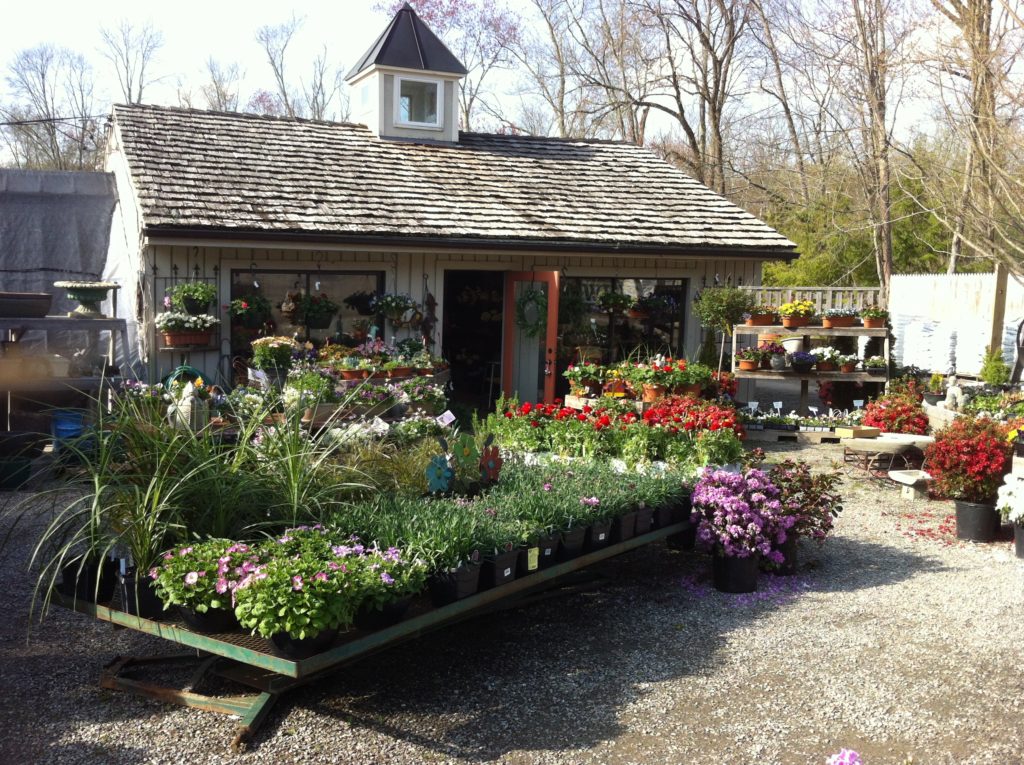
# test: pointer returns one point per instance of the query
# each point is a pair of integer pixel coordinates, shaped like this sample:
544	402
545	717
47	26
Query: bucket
67	424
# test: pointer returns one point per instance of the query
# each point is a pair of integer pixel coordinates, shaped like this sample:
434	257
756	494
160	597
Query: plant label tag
508	573
259	377
813	409
446	419
858	403
777	405
600	537
547	551
752	406
533	559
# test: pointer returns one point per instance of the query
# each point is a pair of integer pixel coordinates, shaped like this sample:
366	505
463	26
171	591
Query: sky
193	31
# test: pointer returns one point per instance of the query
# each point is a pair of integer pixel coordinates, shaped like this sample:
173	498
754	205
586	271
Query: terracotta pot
848	368
748	365
641	315
825	366
789	322
873	323
354	374
836	321
186	337
761	320
400	372
653	392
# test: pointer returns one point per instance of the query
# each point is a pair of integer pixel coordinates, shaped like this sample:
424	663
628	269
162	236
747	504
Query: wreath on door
532	312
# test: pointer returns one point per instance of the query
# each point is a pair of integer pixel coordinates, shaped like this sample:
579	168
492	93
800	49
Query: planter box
858	431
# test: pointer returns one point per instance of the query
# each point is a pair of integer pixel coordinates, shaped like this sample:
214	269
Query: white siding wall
418	272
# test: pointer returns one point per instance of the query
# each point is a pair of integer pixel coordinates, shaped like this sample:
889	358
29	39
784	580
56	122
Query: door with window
530	335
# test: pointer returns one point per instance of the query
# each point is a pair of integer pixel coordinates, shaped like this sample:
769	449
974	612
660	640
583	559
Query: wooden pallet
793	436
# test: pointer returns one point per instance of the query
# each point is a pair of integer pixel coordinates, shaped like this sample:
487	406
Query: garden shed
488	234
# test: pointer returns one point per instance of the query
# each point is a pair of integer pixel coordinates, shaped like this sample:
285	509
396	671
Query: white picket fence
822	297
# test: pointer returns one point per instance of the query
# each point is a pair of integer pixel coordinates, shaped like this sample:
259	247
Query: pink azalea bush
739	514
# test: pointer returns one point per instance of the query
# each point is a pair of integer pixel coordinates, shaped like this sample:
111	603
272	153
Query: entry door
530	335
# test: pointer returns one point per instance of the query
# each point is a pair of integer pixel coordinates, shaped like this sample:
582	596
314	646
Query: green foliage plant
994	371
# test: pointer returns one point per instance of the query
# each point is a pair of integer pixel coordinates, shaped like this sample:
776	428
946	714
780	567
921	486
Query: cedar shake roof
408	43
209	174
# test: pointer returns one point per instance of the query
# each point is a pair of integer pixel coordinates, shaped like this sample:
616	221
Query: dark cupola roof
408	43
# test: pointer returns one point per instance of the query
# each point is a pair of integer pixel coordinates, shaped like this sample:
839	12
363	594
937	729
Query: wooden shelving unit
806	333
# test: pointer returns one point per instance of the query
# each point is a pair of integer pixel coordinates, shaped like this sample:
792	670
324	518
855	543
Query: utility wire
45	120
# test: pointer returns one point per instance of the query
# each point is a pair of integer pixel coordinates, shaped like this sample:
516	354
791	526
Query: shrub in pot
967	462
193	298
812	500
896	413
739	518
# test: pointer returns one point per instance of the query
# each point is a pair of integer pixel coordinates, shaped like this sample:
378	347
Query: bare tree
275	39
221	88
52	121
131	50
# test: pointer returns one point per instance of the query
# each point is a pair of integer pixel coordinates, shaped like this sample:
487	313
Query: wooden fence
822	297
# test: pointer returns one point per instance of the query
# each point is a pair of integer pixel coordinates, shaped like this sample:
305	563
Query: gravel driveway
893	639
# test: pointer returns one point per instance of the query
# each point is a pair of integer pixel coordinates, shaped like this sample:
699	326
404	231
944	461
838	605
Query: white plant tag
813	409
752	406
446	419
777	405
508	572
858	403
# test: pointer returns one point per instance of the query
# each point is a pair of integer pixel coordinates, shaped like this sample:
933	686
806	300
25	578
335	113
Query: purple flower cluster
844	757
739	514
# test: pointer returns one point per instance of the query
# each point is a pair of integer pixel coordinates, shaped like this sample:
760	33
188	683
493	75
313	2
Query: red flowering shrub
896	414
969	459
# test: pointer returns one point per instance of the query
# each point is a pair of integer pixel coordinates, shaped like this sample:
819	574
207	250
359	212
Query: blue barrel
67	424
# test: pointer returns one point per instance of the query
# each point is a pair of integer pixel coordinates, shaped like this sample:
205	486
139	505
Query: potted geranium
739	518
796	313
317	311
689	378
749	359
873	317
193	297
967	461
181	329
838	317
1010	504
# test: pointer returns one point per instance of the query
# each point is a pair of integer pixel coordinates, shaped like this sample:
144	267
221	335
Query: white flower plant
1010	499
176	321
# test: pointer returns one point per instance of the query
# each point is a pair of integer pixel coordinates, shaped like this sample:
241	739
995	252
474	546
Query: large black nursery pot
549	549
213	620
572	543
736	575
1018	540
195	307
527	560
598	535
682	508
389	614
976	522
448	586
303	648
789	556
138	596
644	518
92	581
624	527
498	569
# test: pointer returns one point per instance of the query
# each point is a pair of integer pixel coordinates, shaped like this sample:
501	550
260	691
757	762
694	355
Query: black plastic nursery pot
527	560
734	575
663	517
624	527
549	549
195	307
498	569
389	614
303	648
976	522
681	509
790	559
138	596
572	543
644	519
598	535
80	580
213	620
448	586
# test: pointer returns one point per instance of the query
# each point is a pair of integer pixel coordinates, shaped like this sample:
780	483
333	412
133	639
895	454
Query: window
418	102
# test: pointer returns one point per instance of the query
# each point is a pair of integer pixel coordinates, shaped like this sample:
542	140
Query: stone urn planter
89	296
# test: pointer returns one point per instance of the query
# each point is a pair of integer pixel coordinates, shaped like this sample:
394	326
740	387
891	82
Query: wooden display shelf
771	374
578	402
816	330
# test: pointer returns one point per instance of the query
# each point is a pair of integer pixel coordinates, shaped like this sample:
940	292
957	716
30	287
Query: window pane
418	102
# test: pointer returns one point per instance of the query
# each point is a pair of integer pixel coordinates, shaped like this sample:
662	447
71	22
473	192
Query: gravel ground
893	639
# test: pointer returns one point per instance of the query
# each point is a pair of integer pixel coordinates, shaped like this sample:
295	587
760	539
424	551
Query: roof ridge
555	138
246	115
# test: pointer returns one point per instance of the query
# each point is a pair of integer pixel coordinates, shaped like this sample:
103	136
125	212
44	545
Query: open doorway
471	332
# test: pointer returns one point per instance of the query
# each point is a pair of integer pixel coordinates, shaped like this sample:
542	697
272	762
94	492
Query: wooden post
998	309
